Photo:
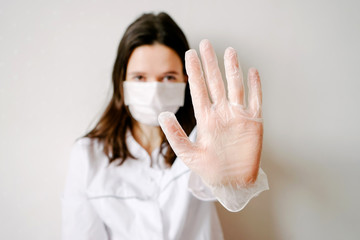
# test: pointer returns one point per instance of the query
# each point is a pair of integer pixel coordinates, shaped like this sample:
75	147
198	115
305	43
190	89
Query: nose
154	79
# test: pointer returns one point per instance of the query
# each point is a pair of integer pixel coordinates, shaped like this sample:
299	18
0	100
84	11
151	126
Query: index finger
199	94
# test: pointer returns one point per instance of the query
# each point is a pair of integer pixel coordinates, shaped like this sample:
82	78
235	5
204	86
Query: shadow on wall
257	220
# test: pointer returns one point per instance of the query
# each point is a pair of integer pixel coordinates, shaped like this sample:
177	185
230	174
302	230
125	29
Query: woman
128	180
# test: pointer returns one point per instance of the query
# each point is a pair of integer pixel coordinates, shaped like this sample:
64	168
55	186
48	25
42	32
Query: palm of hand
227	148
229	137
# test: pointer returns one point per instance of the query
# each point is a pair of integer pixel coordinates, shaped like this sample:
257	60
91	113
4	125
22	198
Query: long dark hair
116	119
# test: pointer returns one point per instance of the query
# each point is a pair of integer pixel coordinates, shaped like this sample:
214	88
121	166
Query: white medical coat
136	200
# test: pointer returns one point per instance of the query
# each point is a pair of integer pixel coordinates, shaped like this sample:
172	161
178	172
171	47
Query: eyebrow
135	73
140	73
172	72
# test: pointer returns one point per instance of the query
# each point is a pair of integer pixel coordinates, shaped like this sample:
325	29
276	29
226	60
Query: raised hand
229	135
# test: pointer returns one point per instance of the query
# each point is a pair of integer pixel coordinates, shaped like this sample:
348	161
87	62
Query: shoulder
87	153
87	145
86	142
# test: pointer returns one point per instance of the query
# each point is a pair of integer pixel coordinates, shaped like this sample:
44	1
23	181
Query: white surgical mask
146	100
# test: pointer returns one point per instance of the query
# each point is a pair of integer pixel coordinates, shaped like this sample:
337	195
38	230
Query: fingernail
164	116
204	43
252	73
190	52
230	53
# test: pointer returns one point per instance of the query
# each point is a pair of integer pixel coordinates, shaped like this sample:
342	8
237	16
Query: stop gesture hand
229	135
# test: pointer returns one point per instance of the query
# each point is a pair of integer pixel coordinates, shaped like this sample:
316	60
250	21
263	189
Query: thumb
176	136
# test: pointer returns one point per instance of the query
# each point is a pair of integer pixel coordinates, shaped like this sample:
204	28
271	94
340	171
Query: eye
169	78
139	78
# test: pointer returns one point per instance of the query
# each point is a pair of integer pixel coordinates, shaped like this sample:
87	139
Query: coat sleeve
79	219
233	199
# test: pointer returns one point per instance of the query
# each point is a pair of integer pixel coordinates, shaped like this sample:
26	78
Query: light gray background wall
55	67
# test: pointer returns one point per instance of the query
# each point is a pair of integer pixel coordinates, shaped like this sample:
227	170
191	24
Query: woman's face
157	62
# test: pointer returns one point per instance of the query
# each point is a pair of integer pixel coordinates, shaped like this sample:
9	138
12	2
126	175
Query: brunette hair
114	123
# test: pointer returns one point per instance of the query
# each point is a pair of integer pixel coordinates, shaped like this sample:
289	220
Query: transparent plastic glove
226	153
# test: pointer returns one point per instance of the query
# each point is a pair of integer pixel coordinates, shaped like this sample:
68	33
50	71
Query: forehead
156	57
